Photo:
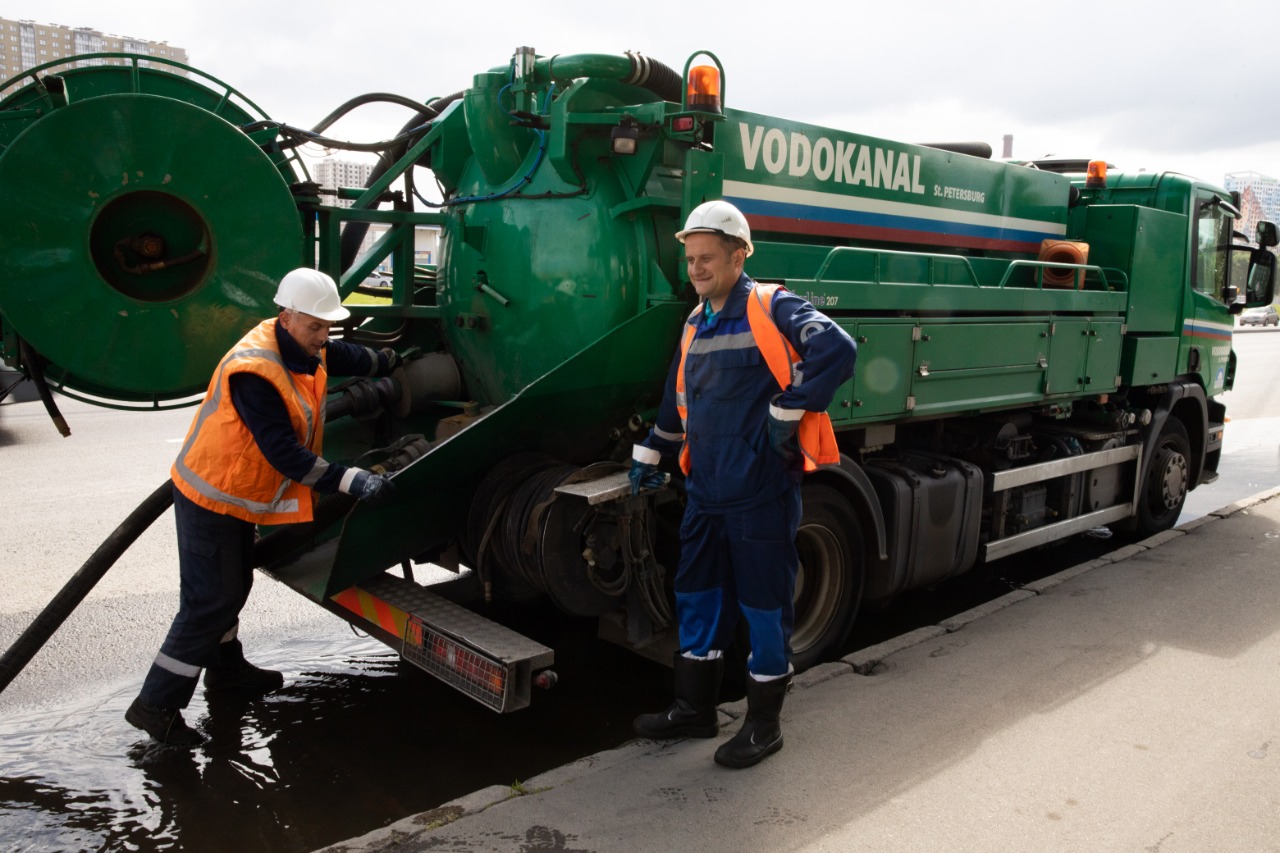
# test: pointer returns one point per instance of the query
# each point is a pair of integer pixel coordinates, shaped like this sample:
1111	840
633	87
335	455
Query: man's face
311	333
713	267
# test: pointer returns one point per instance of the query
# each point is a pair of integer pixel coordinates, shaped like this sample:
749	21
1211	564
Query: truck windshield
1213	248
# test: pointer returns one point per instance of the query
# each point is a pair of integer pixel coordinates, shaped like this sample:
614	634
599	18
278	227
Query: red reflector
460	660
682	124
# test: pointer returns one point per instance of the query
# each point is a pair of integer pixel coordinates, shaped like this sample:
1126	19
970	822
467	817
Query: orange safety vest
816	436
220	466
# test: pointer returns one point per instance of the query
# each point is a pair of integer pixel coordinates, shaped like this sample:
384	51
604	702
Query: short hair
731	243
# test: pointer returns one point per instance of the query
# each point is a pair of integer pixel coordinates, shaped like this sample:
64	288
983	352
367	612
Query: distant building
331	174
25	44
1259	199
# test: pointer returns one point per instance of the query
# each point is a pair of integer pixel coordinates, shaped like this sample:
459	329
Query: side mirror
1268	235
1260	287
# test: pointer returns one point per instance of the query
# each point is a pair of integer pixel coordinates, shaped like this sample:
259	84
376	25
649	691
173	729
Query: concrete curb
863	662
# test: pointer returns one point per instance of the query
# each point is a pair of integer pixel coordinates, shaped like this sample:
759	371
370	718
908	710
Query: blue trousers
215	564
746	563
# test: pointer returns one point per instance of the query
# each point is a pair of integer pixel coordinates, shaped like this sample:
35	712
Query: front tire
1168	480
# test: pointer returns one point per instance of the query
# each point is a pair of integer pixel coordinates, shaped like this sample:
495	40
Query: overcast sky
1187	86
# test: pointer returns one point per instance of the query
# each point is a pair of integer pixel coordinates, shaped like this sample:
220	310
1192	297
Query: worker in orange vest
251	456
745	406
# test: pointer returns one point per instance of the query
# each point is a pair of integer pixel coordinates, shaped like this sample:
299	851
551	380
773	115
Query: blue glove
782	436
646	476
373	489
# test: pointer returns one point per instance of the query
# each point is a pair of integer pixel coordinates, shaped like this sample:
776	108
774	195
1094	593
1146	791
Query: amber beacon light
1097	174
704	88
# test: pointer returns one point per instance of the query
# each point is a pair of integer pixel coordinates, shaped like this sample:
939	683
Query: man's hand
373	489
393	359
783	425
645	475
644	472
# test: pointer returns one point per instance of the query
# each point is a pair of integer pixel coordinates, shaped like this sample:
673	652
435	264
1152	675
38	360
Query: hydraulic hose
353	232
74	590
35	367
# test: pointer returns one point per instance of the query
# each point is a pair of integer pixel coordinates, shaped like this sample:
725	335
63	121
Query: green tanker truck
1042	346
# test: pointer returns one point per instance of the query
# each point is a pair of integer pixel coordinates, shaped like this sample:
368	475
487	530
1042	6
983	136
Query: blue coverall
743	509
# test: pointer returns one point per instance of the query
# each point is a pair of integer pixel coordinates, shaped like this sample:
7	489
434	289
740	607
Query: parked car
1260	317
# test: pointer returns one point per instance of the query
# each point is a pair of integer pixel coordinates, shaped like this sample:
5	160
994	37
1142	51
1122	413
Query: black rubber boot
164	724
693	713
761	734
233	673
244	678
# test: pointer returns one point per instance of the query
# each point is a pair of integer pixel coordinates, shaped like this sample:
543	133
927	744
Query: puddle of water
78	777
356	740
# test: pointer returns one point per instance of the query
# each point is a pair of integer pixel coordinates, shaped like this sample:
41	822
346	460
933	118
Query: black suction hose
74	591
269	548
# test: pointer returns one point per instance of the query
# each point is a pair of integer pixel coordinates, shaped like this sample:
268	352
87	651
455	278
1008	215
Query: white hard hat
718	217
311	292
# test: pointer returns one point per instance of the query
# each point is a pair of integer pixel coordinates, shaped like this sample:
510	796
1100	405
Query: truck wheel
829	583
1168	479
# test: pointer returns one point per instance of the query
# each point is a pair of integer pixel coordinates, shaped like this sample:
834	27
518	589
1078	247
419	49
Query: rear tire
829	583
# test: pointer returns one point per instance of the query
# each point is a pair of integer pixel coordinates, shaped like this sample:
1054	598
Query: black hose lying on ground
74	590
269	548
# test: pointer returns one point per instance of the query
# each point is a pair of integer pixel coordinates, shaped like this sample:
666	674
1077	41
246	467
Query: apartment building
24	44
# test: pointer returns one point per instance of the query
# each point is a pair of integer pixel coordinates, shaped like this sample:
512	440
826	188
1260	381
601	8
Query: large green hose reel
141	230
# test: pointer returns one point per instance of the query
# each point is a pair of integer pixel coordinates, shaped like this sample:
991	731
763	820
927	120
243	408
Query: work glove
393	360
373	489
645	475
782	433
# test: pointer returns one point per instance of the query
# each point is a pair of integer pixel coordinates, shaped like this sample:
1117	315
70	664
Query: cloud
1175	81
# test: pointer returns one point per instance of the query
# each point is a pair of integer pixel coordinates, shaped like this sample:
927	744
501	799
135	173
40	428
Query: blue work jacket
728	388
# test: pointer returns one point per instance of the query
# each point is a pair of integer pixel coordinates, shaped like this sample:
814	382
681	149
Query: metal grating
449	660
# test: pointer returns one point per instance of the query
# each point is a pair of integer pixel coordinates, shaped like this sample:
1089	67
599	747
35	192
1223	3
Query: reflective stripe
720	343
177	667
317	471
781	414
669	436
